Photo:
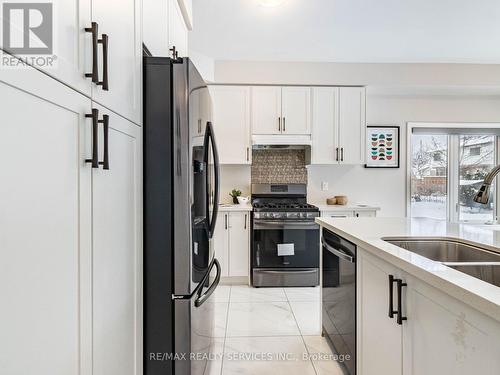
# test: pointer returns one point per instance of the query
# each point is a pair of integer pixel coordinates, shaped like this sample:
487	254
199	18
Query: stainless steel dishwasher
339	297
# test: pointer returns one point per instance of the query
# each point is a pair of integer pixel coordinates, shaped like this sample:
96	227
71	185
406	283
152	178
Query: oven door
285	244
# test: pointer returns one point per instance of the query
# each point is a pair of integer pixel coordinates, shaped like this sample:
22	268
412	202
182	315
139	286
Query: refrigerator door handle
201	298
209	136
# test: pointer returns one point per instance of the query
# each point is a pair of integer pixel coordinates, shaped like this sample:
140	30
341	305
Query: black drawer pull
95	140
105	123
95	73
400	317
104	83
392	280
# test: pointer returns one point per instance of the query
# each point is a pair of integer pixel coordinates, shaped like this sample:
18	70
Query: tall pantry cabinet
71	198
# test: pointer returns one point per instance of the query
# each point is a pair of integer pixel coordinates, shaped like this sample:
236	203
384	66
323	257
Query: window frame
452	201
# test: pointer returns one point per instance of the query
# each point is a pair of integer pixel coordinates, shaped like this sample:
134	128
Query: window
474	151
447	167
429	176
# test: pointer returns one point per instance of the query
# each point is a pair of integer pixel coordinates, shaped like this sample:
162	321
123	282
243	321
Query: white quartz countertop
234	207
368	234
347	207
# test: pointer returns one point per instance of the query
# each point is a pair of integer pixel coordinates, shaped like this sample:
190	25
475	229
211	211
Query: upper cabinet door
117	249
121	22
352	125
232	123
155	30
266	110
66	54
325	125
296	110
177	30
44	226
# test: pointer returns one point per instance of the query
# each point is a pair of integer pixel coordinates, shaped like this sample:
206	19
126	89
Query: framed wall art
382	146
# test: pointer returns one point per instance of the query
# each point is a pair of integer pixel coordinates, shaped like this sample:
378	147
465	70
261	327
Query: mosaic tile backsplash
274	166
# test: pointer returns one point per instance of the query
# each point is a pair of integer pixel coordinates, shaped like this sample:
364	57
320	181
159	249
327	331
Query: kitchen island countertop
368	233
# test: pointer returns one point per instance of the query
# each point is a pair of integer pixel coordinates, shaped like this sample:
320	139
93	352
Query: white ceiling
439	31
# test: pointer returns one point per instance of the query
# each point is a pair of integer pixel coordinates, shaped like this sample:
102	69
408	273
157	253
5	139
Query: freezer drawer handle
104	83
95	73
105	123
200	299
95	140
337	252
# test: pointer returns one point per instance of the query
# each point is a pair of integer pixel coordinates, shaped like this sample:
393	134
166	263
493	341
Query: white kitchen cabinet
325	124
71	52
155	29
365	213
441	335
45	230
444	336
231	121
117	249
352	125
239	243
121	22
266	110
221	242
379	337
177	29
232	243
281	110
337	213
338	134
296	110
70	234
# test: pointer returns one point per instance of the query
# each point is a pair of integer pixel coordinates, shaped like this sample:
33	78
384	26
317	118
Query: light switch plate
324	186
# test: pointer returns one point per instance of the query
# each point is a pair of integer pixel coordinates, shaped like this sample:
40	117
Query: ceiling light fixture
271	3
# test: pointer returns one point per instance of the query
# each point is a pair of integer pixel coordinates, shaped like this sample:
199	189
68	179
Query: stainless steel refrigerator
181	196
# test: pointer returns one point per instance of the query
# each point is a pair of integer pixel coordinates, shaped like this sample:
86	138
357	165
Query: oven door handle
337	252
273	224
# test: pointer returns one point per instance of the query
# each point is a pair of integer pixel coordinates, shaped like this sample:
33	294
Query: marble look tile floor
261	331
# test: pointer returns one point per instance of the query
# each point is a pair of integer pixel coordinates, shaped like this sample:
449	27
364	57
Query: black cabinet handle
245	222
342	154
400	317
337	154
248	154
392	280
225	221
279	123
95	73
105	123
95	140
284	124
104	83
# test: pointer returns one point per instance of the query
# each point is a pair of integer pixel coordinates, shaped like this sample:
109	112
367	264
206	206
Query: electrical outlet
324	186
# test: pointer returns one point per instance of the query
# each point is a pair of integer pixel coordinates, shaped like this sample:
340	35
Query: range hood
281	140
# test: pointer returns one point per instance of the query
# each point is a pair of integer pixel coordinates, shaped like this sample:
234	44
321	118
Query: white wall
383	187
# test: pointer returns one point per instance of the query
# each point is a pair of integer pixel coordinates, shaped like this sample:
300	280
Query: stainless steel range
285	237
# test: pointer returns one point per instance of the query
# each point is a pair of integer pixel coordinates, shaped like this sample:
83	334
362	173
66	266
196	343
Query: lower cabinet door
379	337
445	336
44	226
117	250
239	243
221	242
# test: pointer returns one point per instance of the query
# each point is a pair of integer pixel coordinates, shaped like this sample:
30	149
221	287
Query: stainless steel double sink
473	260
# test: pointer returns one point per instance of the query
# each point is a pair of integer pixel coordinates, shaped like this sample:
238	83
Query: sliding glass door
447	167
